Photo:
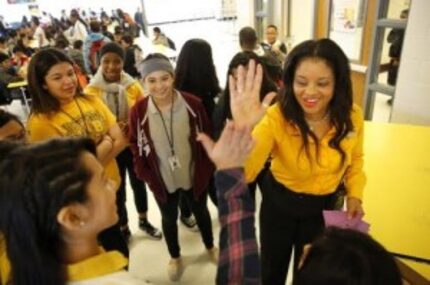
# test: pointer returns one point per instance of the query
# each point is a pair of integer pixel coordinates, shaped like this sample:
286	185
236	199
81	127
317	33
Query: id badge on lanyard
174	162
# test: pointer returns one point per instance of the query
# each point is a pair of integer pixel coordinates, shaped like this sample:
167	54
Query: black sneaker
152	231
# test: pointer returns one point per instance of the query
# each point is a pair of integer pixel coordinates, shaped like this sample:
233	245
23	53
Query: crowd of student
81	37
295	132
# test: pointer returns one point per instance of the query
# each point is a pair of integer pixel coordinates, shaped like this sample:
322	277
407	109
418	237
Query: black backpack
5	97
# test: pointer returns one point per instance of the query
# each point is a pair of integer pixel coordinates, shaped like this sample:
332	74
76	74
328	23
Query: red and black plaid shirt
238	261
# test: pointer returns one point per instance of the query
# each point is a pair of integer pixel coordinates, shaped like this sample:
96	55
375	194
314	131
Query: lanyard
84	127
169	138
116	99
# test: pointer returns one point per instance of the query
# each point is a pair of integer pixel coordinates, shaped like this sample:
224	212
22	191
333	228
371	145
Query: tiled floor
149	258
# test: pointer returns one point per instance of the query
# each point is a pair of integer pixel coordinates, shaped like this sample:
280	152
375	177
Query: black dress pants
287	220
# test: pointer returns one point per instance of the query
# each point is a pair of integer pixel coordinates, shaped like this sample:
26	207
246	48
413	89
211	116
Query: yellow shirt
290	165
134	92
100	265
4	262
96	266
94	121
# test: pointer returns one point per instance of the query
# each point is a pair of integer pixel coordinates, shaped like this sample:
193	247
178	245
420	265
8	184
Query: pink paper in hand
339	219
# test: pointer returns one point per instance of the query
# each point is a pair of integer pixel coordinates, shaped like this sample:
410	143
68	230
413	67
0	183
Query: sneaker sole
152	237
194	229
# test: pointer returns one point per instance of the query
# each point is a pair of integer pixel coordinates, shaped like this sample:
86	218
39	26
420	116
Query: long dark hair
36	181
223	109
342	256
340	106
40	64
196	74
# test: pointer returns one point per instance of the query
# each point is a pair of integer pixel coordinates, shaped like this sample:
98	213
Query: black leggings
169	217
287	219
183	205
125	165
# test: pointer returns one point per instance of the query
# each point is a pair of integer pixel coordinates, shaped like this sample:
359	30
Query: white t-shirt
77	32
39	33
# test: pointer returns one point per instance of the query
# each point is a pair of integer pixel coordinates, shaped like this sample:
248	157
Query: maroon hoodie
145	158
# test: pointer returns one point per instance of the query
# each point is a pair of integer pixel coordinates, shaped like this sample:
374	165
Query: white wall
14	12
280	18
245	14
170	10
302	21
412	99
225	8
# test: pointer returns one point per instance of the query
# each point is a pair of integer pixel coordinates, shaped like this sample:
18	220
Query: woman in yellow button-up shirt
315	137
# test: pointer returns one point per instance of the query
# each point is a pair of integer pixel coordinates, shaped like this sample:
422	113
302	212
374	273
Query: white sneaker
213	254
175	269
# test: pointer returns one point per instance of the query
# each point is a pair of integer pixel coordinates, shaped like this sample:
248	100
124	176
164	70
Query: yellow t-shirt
87	116
4	262
96	266
291	167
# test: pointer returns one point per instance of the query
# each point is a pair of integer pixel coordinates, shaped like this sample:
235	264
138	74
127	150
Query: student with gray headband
162	132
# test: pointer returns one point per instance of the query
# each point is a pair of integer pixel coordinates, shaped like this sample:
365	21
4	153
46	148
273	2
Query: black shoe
126	233
189	222
152	231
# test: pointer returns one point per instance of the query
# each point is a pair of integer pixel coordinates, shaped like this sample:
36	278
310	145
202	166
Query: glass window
346	25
